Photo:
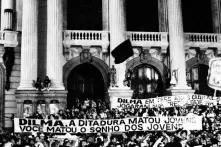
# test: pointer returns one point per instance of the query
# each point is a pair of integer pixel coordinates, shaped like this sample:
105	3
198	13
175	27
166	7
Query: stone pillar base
176	91
35	96
117	92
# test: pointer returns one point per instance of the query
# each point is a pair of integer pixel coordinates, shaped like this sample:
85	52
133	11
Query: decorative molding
190	53
160	66
155	52
98	63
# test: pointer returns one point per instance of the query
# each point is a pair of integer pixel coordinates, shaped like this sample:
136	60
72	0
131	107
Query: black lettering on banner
46	122
133	127
122	121
58	130
81	122
95	123
22	121
72	123
149	101
50	129
22	128
132	120
127	128
119	100
30	128
104	129
58	123
83	130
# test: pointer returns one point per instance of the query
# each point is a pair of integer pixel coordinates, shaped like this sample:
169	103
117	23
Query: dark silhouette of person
47	83
38	84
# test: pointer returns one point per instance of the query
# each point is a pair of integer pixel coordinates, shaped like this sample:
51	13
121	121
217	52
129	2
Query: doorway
85	81
198	80
146	82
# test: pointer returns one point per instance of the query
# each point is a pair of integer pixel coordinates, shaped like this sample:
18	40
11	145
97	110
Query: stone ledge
34	96
117	92
172	91
36	93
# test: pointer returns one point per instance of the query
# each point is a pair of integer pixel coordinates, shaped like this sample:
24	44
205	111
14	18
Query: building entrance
85	81
198	80
146	82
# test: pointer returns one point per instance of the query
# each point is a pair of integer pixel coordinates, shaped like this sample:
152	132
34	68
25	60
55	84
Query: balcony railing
149	39
202	40
143	39
86	38
9	38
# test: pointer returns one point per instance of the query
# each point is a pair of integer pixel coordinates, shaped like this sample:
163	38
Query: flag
122	52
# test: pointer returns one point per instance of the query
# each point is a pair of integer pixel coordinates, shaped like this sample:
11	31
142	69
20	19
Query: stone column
7	14
216	15
118	35
105	15
177	52
29	45
162	15
55	44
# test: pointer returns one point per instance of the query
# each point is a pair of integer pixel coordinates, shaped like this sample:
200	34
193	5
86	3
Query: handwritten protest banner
214	78
164	101
108	125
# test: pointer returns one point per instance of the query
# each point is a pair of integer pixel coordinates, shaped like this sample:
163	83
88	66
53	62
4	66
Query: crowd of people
209	136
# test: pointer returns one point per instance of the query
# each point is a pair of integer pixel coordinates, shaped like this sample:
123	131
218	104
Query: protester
209	136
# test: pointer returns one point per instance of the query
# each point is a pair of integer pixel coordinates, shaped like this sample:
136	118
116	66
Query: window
146	82
27	108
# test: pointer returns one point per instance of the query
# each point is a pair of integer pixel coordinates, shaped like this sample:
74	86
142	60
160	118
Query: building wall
10	100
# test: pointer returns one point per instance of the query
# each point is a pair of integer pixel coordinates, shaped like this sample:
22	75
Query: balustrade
86	38
203	40
143	39
8	38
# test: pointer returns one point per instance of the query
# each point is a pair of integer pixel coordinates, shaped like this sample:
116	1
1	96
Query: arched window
197	79
146	82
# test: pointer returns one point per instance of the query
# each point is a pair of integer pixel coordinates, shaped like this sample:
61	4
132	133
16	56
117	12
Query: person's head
183	134
98	134
60	112
161	144
118	145
42	136
83	143
12	139
114	139
66	141
37	139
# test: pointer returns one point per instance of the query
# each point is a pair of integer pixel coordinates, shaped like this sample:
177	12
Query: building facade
71	43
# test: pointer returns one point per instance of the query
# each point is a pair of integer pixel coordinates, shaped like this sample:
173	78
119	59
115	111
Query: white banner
214	78
164	101
108	125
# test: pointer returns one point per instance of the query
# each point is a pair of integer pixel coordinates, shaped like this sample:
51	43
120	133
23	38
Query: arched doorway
149	77
146	82
197	72
197	79
86	80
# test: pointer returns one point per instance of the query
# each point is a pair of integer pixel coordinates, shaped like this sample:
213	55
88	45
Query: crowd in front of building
209	136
